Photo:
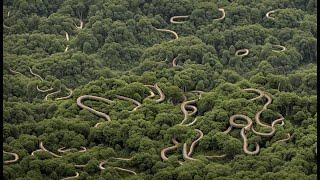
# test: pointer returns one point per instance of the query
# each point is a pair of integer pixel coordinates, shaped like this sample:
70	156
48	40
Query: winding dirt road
249	125
216	156
193	144
273	129
162	96
165	150
244	51
38	76
51	94
173	18
43	91
240	116
245	143
194	121
118	168
81	25
35	74
191	107
16	157
169	31
44	149
38	150
90	97
72	177
185	154
131	100
261	94
279	46
265	107
159	92
174	61
63	150
66	97
269	13
151	94
223	14
184	111
244	128
285	139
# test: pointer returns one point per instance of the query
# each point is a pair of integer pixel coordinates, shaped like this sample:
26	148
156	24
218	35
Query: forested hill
159	89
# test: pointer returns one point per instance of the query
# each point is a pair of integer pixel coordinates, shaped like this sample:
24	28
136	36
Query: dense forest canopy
159	89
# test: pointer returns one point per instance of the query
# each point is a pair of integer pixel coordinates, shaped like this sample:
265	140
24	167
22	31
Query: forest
159	89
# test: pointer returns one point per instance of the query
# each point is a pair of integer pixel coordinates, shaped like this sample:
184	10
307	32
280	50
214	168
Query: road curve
269	100
245	143
79	27
38	150
63	150
162	96
118	168
169	31
193	108
165	150
101	114
261	94
244	128
223	14
51	94
258	121
98	124
244	51
72	177
194	121
43	91
37	75
258	114
16	157
227	130
240	116
193	144
184	111
273	129
174	61
279	46
132	100
44	149
285	139
173	18
66	97
269	13
185	154
151	94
